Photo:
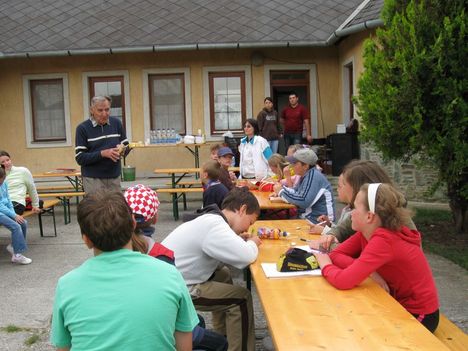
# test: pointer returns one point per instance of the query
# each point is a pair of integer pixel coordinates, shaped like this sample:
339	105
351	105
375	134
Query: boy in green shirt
119	299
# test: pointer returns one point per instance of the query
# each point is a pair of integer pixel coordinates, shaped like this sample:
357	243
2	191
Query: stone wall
413	180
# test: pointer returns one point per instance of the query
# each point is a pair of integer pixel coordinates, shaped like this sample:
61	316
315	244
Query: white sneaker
19	258
9	248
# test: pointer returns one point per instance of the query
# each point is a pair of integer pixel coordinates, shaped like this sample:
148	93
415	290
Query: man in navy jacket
100	142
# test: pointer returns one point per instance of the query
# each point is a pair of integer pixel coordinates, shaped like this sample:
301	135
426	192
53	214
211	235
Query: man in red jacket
293	118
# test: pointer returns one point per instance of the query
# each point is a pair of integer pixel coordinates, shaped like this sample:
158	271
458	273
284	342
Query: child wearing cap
144	204
225	157
313	195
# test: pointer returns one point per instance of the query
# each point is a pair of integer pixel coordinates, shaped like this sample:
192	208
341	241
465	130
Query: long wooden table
74	177
263	198
307	313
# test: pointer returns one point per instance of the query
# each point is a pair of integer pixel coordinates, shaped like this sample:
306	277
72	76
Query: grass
439	236
32	340
12	329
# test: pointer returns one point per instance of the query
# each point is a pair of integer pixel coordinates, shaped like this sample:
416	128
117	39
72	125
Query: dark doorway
282	84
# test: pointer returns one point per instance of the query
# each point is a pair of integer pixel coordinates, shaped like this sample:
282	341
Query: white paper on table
277	199
308	249
270	271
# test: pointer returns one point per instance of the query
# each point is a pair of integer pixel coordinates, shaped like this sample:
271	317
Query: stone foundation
415	181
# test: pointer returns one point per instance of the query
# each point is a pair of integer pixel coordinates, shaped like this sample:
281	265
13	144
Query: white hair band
371	194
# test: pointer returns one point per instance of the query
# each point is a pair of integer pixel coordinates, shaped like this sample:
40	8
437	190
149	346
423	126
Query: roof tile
32	25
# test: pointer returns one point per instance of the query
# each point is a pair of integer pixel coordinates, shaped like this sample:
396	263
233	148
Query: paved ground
26	292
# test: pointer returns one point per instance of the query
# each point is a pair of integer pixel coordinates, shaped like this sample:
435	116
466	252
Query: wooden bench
188	183
176	194
451	335
64	197
46	210
54	188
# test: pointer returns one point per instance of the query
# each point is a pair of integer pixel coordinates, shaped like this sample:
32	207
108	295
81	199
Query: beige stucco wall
13	137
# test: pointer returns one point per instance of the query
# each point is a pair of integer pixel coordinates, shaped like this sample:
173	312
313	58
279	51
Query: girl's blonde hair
278	161
389	205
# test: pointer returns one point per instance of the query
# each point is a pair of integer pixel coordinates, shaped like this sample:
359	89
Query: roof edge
198	46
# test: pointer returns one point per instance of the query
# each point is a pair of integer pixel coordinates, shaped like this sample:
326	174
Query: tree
413	92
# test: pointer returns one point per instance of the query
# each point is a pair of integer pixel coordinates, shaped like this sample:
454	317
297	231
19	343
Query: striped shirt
91	139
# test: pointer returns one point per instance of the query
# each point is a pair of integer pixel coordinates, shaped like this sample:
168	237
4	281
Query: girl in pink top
383	245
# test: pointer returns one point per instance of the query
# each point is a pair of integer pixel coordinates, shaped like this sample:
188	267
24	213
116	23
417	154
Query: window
114	88
167	101
227	101
47	116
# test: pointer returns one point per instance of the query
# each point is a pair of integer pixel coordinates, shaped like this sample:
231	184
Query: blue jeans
273	145
291	139
18	233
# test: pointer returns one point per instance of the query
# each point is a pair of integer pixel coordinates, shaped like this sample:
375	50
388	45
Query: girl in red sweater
382	244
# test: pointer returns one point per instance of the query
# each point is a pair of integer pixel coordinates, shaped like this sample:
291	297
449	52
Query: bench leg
248	278
40	223
49	212
66	209
175	206
184	198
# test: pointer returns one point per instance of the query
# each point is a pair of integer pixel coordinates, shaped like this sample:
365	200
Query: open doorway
282	84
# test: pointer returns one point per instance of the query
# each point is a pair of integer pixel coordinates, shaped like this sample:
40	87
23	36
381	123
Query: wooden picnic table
177	174
307	313
74	177
263	198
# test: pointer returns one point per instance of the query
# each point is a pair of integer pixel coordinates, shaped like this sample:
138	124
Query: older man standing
100	142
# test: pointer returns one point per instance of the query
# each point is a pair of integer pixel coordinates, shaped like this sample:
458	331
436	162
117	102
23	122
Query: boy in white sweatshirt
202	245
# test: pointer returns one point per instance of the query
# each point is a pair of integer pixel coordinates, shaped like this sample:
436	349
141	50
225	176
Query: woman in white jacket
254	152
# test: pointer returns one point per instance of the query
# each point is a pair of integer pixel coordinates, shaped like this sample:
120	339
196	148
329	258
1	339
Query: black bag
295	260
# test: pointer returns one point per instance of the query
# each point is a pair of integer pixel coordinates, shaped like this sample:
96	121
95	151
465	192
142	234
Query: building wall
326	61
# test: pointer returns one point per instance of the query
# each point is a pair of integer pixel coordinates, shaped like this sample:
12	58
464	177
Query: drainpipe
353	29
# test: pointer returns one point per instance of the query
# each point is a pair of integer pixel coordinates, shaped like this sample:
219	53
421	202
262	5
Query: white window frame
28	111
206	94
312	69
345	88
128	115
146	97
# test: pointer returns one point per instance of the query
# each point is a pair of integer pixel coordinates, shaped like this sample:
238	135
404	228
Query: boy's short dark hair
106	219
238	197
212	169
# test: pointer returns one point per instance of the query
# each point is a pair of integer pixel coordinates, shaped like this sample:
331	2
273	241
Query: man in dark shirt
100	142
293	118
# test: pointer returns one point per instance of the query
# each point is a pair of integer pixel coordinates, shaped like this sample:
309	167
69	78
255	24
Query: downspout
353	29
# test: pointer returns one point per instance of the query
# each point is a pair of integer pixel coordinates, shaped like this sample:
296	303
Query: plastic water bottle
173	136
158	136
